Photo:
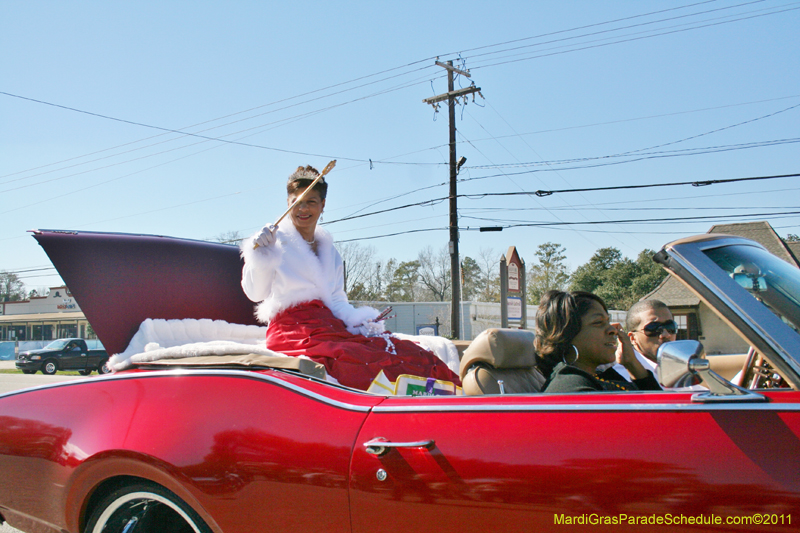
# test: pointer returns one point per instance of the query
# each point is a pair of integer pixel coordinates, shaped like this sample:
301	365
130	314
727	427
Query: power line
20	271
646	220
542	193
580	126
630	40
395	234
185	133
580	27
703	183
223	141
619	29
599	207
555	225
640	150
644	157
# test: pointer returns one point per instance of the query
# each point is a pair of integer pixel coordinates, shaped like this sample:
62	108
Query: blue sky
99	99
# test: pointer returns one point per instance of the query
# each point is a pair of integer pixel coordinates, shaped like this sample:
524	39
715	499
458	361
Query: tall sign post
451	96
513	309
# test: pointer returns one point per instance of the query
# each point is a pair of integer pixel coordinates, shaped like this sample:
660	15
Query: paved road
11	382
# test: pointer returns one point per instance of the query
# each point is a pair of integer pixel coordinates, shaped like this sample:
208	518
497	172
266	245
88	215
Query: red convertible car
245	445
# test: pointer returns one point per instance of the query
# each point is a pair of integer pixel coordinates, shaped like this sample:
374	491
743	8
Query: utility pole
451	96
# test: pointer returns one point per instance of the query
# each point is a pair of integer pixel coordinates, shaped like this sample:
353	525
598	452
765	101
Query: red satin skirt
310	329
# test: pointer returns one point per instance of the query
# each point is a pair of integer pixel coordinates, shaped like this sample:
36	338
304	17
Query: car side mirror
680	362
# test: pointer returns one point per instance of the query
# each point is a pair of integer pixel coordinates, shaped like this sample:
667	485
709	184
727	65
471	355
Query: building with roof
698	321
44	318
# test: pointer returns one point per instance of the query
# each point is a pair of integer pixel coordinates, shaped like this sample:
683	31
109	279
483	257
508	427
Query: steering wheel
757	373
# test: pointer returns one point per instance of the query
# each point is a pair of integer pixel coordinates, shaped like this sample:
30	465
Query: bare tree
434	272
228	237
362	273
489	263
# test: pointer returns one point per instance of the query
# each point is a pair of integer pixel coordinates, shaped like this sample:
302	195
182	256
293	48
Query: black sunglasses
654	329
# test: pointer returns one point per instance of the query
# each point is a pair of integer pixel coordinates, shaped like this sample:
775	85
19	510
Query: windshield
56	345
771	281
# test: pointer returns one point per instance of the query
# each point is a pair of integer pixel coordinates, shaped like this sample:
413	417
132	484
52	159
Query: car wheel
29	371
84	372
104	369
49	367
146	508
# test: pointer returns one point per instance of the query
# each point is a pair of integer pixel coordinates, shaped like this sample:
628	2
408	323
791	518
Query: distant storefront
44	318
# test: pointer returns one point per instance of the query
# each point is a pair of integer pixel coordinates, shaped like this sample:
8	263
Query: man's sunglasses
654	329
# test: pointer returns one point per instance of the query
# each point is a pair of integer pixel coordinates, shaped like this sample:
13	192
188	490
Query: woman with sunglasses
297	275
574	336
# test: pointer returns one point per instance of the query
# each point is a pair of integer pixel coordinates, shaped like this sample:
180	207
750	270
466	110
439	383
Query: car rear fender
100	475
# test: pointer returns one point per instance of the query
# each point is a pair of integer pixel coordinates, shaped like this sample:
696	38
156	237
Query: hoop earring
577	356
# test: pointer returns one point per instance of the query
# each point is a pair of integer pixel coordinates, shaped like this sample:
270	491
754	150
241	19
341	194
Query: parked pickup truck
63	354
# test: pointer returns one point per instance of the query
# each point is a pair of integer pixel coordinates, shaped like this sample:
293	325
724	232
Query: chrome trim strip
429	408
200	372
623	407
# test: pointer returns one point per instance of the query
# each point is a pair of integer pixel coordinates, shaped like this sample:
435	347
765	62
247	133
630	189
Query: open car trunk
119	280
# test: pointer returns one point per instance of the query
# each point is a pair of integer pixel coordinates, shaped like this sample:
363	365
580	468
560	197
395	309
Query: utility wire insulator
454	94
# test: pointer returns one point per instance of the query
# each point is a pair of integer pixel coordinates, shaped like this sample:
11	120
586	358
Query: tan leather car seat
505	355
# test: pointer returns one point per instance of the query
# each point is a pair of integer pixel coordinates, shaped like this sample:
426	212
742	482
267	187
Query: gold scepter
325	170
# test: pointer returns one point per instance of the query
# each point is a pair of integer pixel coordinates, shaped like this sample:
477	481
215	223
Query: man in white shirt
649	325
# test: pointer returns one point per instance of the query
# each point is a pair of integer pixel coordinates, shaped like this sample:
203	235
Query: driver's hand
624	347
626	356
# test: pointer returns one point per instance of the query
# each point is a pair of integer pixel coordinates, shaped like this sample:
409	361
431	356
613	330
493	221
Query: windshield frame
686	259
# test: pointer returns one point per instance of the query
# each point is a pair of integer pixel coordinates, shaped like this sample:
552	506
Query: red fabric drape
310	329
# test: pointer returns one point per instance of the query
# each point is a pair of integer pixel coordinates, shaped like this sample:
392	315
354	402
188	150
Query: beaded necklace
614	383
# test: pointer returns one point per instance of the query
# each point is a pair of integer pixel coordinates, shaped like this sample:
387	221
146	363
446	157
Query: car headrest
500	348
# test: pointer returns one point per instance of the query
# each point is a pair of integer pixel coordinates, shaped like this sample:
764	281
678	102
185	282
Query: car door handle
379	446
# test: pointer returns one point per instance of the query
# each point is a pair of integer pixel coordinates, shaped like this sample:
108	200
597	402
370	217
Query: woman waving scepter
297	275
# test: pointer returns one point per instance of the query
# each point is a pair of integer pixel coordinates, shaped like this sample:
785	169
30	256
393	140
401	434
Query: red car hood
119	280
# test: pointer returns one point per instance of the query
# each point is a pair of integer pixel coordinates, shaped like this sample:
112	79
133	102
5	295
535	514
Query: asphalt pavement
12	382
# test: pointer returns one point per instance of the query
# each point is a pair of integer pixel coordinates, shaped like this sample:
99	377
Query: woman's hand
626	356
370	328
266	237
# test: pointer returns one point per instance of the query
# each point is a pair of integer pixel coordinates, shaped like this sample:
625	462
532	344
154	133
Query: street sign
514	308
512	290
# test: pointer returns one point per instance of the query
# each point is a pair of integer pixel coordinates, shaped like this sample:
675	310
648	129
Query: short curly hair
302	178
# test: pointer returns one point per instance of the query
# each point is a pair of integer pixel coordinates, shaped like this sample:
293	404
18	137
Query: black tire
103	369
84	372
147	506
29	371
50	367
